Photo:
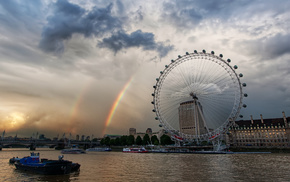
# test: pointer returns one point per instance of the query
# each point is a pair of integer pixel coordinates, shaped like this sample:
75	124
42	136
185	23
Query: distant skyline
88	66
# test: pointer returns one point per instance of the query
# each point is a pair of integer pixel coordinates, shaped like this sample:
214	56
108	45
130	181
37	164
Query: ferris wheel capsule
228	60
241	75
154	86
195	51
244	84
236	67
221	56
187	53
244	105
245	95
152	102
204	51
212	52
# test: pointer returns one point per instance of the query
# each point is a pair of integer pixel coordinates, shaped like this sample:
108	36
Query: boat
135	150
73	150
48	167
99	149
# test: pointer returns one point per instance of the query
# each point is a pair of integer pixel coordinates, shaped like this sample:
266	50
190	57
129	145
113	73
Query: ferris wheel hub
193	95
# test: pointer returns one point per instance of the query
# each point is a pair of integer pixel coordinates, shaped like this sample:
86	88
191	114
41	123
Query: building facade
191	118
260	133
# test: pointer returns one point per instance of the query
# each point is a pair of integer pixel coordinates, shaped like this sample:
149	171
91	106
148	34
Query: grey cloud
267	47
277	45
188	14
69	19
122	40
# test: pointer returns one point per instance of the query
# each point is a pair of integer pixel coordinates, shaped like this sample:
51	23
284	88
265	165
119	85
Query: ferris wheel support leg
218	143
177	143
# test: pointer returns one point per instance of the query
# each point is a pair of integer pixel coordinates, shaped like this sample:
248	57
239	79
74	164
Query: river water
118	166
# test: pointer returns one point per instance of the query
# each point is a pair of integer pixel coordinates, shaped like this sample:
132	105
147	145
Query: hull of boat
135	151
49	168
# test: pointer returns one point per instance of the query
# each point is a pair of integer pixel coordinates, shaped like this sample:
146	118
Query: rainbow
116	103
75	109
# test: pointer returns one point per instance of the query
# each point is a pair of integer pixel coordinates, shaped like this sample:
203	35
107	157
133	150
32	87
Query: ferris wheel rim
187	57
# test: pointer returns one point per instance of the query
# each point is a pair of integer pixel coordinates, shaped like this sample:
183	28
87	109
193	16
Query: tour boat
45	166
135	150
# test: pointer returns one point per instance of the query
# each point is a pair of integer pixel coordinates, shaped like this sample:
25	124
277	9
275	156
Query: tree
146	139
117	141
166	140
123	140
103	141
138	140
130	140
154	140
112	142
107	141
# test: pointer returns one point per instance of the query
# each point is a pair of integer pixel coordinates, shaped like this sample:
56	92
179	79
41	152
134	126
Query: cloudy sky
64	63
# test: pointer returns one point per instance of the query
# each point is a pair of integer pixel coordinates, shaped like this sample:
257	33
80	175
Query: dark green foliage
107	141
112	142
146	139
138	140
123	140
166	140
117	141
130	140
154	140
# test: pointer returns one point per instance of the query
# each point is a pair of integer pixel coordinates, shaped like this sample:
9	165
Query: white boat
99	149
73	150
135	150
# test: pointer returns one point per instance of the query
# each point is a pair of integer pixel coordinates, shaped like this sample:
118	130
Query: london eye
198	96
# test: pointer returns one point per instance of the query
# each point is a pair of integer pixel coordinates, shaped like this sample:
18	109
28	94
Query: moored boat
135	150
73	150
45	166
99	149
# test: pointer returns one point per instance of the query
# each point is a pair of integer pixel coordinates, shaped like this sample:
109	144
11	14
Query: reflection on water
118	166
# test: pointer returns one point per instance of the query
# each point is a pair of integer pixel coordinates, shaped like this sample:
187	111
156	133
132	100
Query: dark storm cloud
69	19
121	40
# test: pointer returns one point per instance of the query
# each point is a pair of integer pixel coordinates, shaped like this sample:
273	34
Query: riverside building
260	133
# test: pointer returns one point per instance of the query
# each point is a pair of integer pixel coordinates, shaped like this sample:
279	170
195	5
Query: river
118	166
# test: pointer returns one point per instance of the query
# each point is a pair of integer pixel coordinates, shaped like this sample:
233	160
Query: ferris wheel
198	96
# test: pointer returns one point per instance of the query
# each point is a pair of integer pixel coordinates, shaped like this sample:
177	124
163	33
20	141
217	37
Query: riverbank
272	150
